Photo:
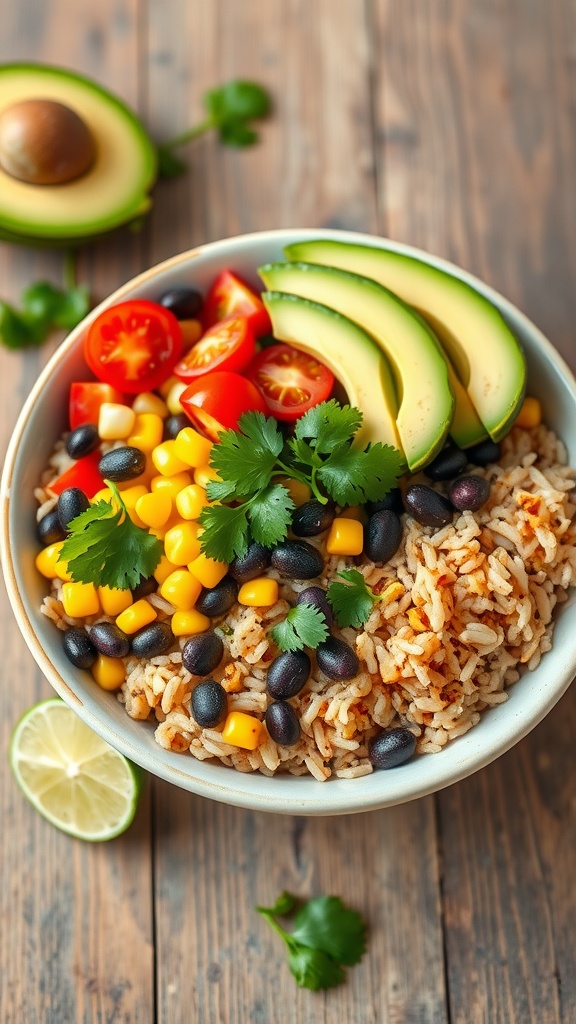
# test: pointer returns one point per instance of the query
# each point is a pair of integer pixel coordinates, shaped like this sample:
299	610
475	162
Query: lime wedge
77	781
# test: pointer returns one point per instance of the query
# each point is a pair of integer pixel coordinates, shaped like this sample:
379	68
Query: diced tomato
134	346
83	474
86	397
231	296
290	380
228	345
216	401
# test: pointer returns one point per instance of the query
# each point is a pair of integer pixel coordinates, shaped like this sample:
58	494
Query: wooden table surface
448	124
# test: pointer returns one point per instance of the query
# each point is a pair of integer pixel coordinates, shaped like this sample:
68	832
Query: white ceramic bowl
44	418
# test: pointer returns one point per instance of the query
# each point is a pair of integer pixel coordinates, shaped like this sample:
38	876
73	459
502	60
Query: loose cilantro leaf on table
106	548
44	307
326	935
304	626
352	601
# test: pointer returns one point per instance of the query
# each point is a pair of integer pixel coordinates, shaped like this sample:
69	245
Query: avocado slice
484	351
425	401
111	192
351	354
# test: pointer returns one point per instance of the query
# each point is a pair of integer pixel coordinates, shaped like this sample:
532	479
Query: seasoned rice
465	610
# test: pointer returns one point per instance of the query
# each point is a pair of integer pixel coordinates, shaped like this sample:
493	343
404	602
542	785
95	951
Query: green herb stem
188	136
310	481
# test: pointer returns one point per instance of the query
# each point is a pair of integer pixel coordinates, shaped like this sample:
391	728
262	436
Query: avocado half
113	191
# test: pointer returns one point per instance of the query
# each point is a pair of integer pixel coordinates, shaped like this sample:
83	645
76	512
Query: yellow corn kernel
530	414
104	494
354	512
204	474
166	461
139	481
131	494
192	331
259	593
298	491
173	397
154	509
147	431
393	592
182	589
115	421
163	570
133	515
113	601
136	616
192	448
161	531
208	570
47	560
109	673
189	623
345	537
171	484
165	387
62	570
181	543
148	402
242	730
190	501
80	599
416	621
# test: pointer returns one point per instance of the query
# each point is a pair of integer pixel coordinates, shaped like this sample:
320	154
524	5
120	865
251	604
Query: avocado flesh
113	189
351	355
483	350
425	401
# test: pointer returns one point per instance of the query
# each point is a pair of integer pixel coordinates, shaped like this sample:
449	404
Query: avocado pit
43	142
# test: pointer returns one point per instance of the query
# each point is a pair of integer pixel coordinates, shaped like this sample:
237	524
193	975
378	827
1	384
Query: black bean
79	648
49	528
202	654
392	501
185	303
208	704
109	639
148	585
288	674
317	597
251	564
448	464
427	507
71	503
124	463
152	640
282	723
469	493
337	660
218	600
312	518
391	748
382	536
173	425
297	560
484	453
82	441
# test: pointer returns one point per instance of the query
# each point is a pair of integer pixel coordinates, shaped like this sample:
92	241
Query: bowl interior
43	419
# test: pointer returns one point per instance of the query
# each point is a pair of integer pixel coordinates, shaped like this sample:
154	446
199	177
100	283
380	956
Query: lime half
76	780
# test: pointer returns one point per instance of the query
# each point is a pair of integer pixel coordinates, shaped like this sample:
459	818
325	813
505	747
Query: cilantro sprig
106	548
304	626
326	936
321	454
352	601
43	307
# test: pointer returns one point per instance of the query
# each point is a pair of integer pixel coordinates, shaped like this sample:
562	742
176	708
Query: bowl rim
318	798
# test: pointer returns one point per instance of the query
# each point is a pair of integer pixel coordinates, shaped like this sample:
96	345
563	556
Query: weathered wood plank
75	941
473	105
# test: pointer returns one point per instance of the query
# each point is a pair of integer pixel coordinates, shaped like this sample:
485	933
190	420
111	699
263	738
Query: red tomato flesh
134	346
228	345
291	381
216	401
231	296
86	397
83	474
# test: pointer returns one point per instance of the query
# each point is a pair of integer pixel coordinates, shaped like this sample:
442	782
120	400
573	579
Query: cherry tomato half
133	346
216	401
228	345
86	397
231	296
291	381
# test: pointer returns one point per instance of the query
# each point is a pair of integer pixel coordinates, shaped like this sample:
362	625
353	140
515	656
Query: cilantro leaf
44	307
328	425
169	165
304	626
263	430
245	461
303	453
270	514
226	534
313	969
106	548
325	923
352	476
352	602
